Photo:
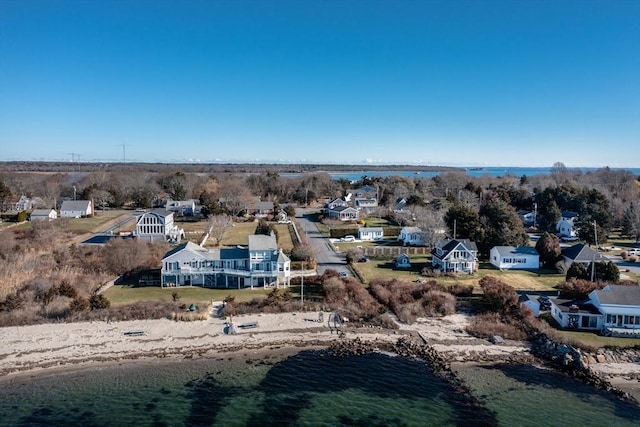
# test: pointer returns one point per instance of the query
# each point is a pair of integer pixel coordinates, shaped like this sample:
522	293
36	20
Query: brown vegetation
412	300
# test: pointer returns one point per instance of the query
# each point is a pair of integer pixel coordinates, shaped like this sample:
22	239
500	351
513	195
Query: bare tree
218	226
432	224
236	196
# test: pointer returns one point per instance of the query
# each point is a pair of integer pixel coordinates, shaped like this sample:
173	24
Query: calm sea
307	388
494	171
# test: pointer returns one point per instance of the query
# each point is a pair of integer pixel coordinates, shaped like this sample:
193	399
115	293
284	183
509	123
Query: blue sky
518	83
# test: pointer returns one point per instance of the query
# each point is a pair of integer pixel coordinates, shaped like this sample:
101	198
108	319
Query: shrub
578	288
98	302
12	302
175	296
66	290
487	325
79	304
499	296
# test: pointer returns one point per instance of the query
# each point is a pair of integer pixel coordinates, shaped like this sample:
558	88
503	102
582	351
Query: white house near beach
260	263
613	310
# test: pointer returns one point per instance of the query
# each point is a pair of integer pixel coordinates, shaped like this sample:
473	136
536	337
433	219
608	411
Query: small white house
514	258
370	233
566	226
43	215
411	236
76	208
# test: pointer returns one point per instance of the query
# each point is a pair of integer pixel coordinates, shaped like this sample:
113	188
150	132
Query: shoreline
56	348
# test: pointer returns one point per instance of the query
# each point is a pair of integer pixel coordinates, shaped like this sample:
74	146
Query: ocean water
308	388
494	171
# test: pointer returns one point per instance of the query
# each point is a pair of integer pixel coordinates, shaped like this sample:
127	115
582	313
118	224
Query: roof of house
448	245
41	212
569	214
262	242
504	251
619	295
409	230
582	253
575	306
75	205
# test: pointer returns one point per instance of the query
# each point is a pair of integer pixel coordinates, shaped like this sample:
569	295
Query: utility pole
302	285
124	157
455	224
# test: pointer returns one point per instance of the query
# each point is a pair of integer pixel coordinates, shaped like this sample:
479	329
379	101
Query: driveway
327	258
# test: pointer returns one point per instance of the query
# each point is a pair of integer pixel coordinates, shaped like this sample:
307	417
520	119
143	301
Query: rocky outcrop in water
576	363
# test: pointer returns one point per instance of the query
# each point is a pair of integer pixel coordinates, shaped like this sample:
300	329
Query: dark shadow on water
375	374
207	398
533	376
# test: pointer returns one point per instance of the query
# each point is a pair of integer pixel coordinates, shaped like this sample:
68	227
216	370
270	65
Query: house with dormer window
455	256
260	263
157	225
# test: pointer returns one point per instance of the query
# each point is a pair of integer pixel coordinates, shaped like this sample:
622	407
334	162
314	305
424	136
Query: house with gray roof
261	263
43	215
581	253
514	258
76	208
613	310
455	256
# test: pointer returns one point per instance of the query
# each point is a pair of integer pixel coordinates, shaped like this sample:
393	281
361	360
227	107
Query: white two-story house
259	264
157	225
455	256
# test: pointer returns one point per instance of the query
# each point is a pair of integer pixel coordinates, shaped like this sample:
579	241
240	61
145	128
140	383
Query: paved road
327	258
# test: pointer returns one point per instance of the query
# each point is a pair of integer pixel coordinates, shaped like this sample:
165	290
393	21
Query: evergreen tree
631	222
577	271
548	247
501	226
466	220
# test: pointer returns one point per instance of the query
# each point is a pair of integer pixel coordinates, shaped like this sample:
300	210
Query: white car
348	238
633	252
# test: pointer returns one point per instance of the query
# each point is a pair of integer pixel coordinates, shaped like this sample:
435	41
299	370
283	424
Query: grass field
95	223
124	294
519	280
592	339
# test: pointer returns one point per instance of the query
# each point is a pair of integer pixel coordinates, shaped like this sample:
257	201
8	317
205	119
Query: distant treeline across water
349	172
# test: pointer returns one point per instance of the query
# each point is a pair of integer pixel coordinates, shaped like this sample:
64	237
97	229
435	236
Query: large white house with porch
261	263
613	310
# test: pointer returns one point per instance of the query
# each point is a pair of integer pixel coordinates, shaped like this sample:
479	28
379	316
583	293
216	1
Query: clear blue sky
524	83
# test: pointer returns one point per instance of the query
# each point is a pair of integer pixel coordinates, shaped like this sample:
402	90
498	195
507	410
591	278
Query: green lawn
592	339
378	268
125	294
94	223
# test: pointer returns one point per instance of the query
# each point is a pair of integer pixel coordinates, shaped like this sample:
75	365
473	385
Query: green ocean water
308	388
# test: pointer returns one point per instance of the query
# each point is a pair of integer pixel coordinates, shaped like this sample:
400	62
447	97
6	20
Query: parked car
343	274
633	252
348	238
363	259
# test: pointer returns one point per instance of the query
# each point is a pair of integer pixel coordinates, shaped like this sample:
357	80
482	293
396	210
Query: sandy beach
32	349
36	347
